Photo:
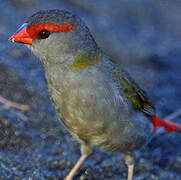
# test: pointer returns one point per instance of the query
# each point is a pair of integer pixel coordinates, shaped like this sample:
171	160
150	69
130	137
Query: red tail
169	126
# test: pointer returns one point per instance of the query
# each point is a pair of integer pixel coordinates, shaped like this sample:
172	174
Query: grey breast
90	105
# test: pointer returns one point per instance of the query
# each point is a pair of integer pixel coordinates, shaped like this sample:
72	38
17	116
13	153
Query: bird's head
54	35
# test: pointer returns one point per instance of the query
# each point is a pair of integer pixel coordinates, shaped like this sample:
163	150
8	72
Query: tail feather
169	126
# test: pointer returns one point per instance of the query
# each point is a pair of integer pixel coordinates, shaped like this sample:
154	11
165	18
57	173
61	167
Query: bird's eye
43	34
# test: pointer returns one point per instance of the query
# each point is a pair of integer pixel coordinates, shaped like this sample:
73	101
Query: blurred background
144	36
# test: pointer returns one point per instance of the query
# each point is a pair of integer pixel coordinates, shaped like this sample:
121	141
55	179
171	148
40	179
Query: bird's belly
92	120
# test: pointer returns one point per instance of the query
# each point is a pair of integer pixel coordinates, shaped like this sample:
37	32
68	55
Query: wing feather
132	92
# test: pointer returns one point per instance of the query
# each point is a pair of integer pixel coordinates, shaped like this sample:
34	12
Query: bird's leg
85	151
129	160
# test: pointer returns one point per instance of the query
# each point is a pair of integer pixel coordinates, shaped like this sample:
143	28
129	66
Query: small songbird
98	101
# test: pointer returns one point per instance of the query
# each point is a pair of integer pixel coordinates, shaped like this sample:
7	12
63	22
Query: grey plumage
95	98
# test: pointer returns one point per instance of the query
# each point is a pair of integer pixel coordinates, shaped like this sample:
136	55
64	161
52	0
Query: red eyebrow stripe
33	30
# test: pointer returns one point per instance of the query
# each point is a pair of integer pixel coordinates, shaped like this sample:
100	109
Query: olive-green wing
132	92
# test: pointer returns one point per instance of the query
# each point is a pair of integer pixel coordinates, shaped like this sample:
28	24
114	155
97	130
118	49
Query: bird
99	103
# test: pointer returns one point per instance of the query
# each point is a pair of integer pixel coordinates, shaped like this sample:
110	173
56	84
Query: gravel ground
144	36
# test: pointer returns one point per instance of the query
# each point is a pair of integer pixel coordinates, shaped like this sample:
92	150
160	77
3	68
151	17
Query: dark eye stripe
33	30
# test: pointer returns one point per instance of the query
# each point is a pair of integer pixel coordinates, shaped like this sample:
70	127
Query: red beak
21	35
